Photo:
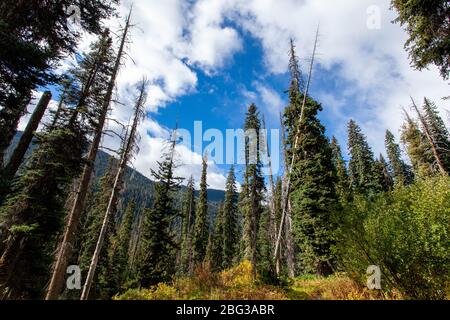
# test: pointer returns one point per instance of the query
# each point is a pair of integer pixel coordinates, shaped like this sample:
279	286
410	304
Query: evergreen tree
313	196
231	227
201	228
361	164
188	222
158	246
398	168
343	181
118	252
438	131
417	148
34	211
426	23
253	188
94	218
217	240
383	175
41	33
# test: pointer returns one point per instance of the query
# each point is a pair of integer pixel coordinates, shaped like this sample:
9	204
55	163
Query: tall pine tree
231	221
201	228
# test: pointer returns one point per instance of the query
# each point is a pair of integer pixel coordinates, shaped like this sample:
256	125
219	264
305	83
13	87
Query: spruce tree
158	246
438	131
383	175
231	227
215	256
188	222
417	148
361	164
94	218
119	272
343	181
201	228
41	33
34	211
253	188
400	171
313	196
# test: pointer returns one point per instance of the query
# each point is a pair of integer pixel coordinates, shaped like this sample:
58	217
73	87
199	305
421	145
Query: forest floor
238	284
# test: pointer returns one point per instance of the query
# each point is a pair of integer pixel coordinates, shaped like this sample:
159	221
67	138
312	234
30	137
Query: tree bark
129	145
65	248
18	155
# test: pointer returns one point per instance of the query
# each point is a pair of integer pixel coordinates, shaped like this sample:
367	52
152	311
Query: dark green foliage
231	222
34	212
343	188
417	148
361	165
405	233
313	197
426	22
216	241
158	248
188	216
42	34
119	273
400	171
253	188
94	219
382	174
438	131
201	228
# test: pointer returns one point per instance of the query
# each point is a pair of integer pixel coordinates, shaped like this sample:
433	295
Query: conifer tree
188	218
94	218
56	161
361	164
230	224
438	132
201	228
158	246
129	146
42	34
64	251
215	256
400	171
253	188
118	253
382	174
34	211
417	148
343	182
429	125
313	197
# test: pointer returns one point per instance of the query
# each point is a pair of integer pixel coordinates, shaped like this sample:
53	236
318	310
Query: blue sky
207	60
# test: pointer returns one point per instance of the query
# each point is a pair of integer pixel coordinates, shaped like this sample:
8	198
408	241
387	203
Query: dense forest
65	202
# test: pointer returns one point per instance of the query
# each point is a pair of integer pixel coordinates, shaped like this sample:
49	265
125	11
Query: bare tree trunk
128	149
17	157
65	248
289	172
434	148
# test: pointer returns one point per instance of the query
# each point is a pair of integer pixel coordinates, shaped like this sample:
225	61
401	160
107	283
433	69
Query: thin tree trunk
430	140
289	172
64	252
129	145
9	120
17	157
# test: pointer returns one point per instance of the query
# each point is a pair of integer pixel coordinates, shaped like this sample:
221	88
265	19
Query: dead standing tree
64	252
129	146
287	189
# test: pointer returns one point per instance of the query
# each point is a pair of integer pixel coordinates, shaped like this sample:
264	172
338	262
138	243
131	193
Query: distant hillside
136	186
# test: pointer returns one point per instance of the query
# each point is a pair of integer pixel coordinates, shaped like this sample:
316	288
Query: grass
238	284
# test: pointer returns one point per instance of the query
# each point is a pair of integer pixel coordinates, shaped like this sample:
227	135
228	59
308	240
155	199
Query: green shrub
406	233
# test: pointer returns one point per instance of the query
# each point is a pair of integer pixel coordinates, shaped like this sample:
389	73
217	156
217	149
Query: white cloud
173	38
